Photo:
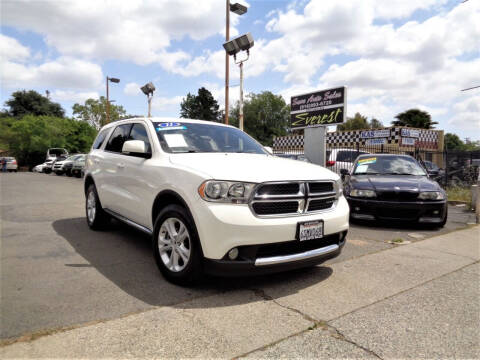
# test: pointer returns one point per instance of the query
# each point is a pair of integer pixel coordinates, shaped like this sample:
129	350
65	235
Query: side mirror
136	148
268	149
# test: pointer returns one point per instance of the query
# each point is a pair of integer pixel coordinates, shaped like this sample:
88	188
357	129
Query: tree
94	112
31	102
265	115
415	118
359	122
453	142
29	138
202	106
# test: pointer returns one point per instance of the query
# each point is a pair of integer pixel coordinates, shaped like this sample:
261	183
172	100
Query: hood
389	182
251	167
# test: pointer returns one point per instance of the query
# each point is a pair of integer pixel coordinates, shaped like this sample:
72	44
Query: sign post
314	112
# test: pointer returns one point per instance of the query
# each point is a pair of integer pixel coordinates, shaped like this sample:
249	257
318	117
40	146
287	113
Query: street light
233	47
116	81
148	90
239	10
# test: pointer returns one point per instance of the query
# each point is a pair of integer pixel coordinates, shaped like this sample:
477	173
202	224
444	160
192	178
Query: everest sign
320	108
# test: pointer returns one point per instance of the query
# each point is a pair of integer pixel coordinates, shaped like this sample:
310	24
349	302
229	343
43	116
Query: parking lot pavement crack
316	324
338	335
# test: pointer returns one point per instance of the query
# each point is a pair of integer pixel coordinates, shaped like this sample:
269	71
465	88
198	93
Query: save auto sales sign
320	108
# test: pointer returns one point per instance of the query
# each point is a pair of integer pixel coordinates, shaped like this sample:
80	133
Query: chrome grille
293	198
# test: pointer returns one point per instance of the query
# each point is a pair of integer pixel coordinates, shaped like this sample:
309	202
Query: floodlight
231	47
238	9
244	42
114	80
148	89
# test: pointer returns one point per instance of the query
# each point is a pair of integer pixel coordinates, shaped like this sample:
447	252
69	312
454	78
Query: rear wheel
68	173
97	218
176	246
58	173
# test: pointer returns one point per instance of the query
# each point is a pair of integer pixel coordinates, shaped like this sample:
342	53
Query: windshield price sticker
361	169
175	140
310	230
367	161
169	126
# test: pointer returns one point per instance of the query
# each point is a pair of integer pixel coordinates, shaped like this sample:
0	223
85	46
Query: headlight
363	193
226	191
339	187
431	195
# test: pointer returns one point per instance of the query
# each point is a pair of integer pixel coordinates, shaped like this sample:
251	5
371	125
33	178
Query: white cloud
11	49
467	114
64	72
132	89
166	103
73	96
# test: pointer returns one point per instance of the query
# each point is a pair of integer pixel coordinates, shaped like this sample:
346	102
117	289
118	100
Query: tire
78	175
179	261
444	221
58	173
97	219
69	173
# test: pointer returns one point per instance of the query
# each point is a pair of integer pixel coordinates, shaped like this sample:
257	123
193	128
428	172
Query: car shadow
123	255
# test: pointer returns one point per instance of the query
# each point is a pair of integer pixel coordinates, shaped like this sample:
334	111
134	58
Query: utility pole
227	65
240	112
107	105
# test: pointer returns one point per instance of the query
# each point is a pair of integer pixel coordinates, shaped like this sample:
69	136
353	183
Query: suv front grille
293	198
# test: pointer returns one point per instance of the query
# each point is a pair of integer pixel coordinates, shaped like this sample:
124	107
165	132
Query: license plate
310	230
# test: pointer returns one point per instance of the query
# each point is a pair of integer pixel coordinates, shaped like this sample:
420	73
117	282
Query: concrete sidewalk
419	300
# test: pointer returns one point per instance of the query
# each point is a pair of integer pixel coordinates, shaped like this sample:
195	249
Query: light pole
114	80
148	90
239	10
232	47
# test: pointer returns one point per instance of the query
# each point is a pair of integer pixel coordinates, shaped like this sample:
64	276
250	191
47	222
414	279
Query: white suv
213	200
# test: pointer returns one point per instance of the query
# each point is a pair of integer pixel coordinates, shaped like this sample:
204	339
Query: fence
448	168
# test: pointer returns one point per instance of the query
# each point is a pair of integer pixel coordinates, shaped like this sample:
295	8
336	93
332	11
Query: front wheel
97	218
176	246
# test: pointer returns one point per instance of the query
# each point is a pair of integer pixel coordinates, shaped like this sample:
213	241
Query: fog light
232	254
436	212
357	208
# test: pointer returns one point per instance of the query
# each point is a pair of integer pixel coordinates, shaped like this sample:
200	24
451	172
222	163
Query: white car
213	200
338	159
39	168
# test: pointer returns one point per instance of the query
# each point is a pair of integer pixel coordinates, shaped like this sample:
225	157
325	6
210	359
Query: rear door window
97	144
118	137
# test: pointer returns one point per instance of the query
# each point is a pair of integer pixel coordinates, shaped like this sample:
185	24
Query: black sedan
394	187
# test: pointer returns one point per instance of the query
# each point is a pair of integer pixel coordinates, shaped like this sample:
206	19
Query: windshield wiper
185	152
397	173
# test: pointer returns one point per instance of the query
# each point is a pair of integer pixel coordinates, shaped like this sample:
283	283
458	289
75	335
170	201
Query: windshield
388	165
177	137
56	151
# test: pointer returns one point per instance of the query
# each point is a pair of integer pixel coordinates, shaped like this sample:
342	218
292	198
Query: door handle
121	165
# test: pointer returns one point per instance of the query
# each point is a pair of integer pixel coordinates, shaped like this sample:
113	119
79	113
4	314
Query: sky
392	55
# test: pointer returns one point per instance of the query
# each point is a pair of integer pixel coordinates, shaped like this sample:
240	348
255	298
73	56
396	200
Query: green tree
453	142
31	102
359	122
94	112
202	106
265	115
414	118
31	136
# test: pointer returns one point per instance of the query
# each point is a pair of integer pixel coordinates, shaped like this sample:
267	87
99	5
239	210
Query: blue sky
392	57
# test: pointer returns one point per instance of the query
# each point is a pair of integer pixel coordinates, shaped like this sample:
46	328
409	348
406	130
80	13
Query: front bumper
278	257
222	227
419	211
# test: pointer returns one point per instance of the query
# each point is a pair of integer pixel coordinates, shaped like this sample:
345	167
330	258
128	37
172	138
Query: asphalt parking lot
56	273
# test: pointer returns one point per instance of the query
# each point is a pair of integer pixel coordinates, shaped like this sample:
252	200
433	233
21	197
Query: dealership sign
320	108
369	134
408	141
380	141
411	133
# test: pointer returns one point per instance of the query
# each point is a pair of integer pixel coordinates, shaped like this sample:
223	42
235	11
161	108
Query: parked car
78	165
213	199
338	159
299	157
12	165
53	153
47	167
39	168
65	166
394	187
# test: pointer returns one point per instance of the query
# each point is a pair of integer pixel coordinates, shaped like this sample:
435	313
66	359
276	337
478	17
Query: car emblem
396	188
